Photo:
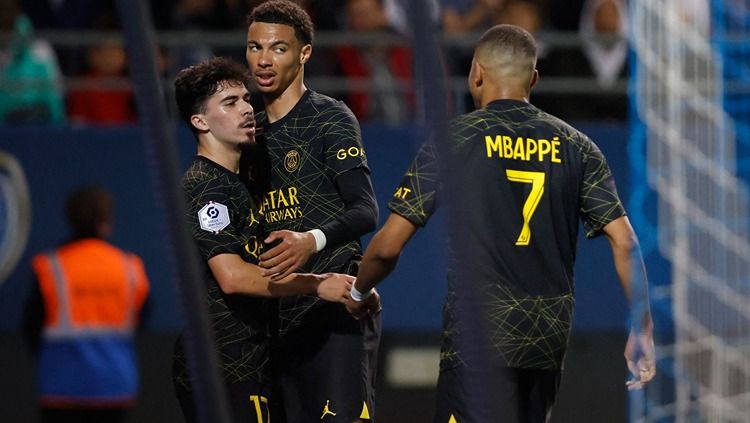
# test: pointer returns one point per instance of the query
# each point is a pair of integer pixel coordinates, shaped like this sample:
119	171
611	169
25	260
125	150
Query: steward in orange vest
92	293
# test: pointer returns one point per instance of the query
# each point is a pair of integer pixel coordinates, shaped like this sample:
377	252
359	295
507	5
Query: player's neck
225	156
278	106
489	96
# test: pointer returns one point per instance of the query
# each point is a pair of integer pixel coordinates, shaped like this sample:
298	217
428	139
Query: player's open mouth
249	125
264	78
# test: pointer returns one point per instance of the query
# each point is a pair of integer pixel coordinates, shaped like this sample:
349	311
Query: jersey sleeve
213	219
415	198
343	149
599	201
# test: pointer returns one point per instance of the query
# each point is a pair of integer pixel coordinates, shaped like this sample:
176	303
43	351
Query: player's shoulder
200	172
317	98
327	104
566	131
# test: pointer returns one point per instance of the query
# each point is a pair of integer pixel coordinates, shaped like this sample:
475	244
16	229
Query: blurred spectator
70	15
82	316
204	15
461	16
29	76
603	33
398	16
523	13
388	68
66	14
103	100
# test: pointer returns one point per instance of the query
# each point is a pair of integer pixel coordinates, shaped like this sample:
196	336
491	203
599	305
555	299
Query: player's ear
199	122
534	78
305	53
476	74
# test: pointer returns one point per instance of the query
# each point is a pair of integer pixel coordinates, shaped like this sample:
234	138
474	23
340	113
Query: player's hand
360	309
335	287
641	358
285	258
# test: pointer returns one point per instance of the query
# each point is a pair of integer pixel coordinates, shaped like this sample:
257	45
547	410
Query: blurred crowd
32	69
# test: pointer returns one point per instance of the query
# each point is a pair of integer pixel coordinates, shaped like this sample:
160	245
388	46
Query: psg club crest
213	217
291	161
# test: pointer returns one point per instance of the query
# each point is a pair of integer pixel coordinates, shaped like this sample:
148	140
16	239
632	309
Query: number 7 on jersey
536	179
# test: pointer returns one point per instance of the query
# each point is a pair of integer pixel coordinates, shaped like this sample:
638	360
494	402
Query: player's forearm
294	284
255	285
383	252
238	277
631	272
373	269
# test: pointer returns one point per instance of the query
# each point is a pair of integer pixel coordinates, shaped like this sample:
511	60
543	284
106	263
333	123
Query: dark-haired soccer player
319	203
521	180
213	100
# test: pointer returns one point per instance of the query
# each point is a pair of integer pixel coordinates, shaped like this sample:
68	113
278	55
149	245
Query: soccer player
520	181
213	100
319	203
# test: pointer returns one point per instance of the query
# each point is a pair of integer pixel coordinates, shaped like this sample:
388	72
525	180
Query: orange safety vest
93	293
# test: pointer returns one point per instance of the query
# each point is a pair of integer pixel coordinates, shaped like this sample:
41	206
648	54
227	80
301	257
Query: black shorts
481	395
325	371
249	402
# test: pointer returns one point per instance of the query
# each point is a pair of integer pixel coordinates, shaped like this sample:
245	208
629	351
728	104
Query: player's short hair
508	40
87	208
284	12
195	84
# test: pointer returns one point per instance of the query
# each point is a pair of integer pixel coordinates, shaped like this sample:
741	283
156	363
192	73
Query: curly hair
284	12
195	84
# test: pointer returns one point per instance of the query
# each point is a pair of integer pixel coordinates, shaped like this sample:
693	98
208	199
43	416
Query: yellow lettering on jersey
507	146
254	247
518	150
452	419
526	149
365	414
555	150
281	204
349	152
258	400
293	196
492	145
282	199
402	192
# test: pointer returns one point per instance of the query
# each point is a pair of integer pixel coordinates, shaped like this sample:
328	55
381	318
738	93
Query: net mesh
689	88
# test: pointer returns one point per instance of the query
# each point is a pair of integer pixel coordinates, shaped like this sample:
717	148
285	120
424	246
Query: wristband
320	239
360	296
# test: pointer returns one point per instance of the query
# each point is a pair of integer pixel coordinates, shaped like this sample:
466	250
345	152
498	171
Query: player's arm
379	260
626	252
360	216
236	276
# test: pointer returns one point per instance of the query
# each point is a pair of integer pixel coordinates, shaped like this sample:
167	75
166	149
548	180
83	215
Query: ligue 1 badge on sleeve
213	217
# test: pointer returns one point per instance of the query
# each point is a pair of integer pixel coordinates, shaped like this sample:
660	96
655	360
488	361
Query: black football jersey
521	180
318	140
223	219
